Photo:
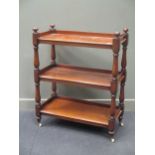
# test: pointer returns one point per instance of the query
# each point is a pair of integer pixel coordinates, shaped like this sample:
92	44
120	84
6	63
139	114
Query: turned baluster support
123	71
116	46
53	62
36	75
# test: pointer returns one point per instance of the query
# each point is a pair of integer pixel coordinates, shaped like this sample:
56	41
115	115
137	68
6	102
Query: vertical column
123	71
53	62
36	76
116	46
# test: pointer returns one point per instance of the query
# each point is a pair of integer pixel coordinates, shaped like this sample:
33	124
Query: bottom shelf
79	111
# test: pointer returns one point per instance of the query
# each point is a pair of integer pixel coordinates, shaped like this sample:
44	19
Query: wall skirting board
28	103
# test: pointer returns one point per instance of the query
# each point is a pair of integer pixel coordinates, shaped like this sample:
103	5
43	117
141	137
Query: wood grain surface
79	111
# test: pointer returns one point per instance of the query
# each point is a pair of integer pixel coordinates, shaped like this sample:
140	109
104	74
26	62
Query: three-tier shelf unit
81	111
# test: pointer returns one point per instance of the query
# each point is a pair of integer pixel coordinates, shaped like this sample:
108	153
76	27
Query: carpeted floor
58	137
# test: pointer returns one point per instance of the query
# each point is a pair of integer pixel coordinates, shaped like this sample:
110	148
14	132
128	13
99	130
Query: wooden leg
116	46
111	125
121	102
111	128
54	93
38	104
53	57
36	76
38	115
123	70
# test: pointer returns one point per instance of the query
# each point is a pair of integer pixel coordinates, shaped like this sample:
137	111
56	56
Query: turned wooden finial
35	30
117	34
52	27
125	30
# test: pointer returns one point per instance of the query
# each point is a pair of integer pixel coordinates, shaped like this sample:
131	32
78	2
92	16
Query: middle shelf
85	76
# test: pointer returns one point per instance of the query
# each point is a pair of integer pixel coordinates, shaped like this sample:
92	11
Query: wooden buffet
103	115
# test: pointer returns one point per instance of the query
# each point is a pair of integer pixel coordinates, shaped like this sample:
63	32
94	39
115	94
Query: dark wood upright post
53	62
116	46
36	76
123	71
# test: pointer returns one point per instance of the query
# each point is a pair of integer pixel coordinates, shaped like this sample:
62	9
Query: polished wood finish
123	70
36	74
116	46
74	38
78	75
79	110
53	56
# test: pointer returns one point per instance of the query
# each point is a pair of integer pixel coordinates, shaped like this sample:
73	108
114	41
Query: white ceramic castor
112	140
40	125
121	124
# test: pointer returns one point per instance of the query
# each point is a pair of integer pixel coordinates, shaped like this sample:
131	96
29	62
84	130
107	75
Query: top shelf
75	38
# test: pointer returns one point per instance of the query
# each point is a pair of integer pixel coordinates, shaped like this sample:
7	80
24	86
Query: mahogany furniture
103	115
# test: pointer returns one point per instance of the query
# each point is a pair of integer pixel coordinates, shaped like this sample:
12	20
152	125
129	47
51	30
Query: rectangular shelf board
79	111
65	73
78	38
